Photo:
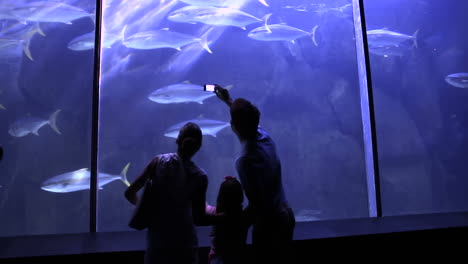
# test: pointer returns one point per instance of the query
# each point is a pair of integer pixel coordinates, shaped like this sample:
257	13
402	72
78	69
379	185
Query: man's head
245	118
189	140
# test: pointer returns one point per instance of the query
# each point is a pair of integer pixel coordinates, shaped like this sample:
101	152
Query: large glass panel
295	60
46	84
419	64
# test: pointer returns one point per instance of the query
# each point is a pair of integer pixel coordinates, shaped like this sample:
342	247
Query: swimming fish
216	2
345	11
27	125
281	32
86	41
80	180
384	37
163	38
213	16
459	80
208	127
181	93
48	11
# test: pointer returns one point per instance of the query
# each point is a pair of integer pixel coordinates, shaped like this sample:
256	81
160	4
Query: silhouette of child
228	237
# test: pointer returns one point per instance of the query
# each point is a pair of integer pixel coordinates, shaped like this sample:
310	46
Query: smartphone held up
209	87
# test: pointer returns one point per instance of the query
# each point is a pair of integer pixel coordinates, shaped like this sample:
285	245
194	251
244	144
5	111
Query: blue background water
308	96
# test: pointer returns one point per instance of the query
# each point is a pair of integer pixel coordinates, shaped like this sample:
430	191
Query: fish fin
229	87
244	28
186	82
167	29
123	174
204	40
69	23
36	132
178	48
201	116
26	49
292	41
314	30
2	107
415	38
263	2
200	102
53	121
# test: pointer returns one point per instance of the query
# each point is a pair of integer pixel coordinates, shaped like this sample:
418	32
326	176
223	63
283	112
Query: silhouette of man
259	171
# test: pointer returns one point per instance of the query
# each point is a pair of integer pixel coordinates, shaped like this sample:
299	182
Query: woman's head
189	140
230	196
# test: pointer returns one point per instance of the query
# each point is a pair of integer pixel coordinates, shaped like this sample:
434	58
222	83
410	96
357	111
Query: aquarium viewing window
365	101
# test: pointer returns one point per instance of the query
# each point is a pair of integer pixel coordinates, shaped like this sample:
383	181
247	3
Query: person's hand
223	94
211	255
210	210
131	196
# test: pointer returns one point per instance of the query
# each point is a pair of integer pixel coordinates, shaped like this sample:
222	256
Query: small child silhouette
229	235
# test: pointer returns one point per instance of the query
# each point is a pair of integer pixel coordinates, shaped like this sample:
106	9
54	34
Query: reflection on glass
419	69
295	60
45	107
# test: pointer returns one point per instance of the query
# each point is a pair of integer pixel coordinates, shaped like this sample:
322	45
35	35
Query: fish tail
415	38
93	17
53	121
263	2
38	29
314	30
122	34
265	20
204	40
123	174
26	49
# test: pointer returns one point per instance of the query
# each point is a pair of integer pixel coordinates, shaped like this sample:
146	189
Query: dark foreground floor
448	245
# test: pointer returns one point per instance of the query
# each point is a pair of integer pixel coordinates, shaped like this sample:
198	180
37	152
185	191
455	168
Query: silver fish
459	80
181	93
216	2
281	32
79	180
163	38
86	41
48	11
384	37
345	11
27	125
213	16
208	127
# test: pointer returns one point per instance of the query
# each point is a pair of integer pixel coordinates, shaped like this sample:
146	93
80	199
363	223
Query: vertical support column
95	122
367	110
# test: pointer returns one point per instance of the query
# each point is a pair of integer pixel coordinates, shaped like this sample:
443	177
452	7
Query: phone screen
209	87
